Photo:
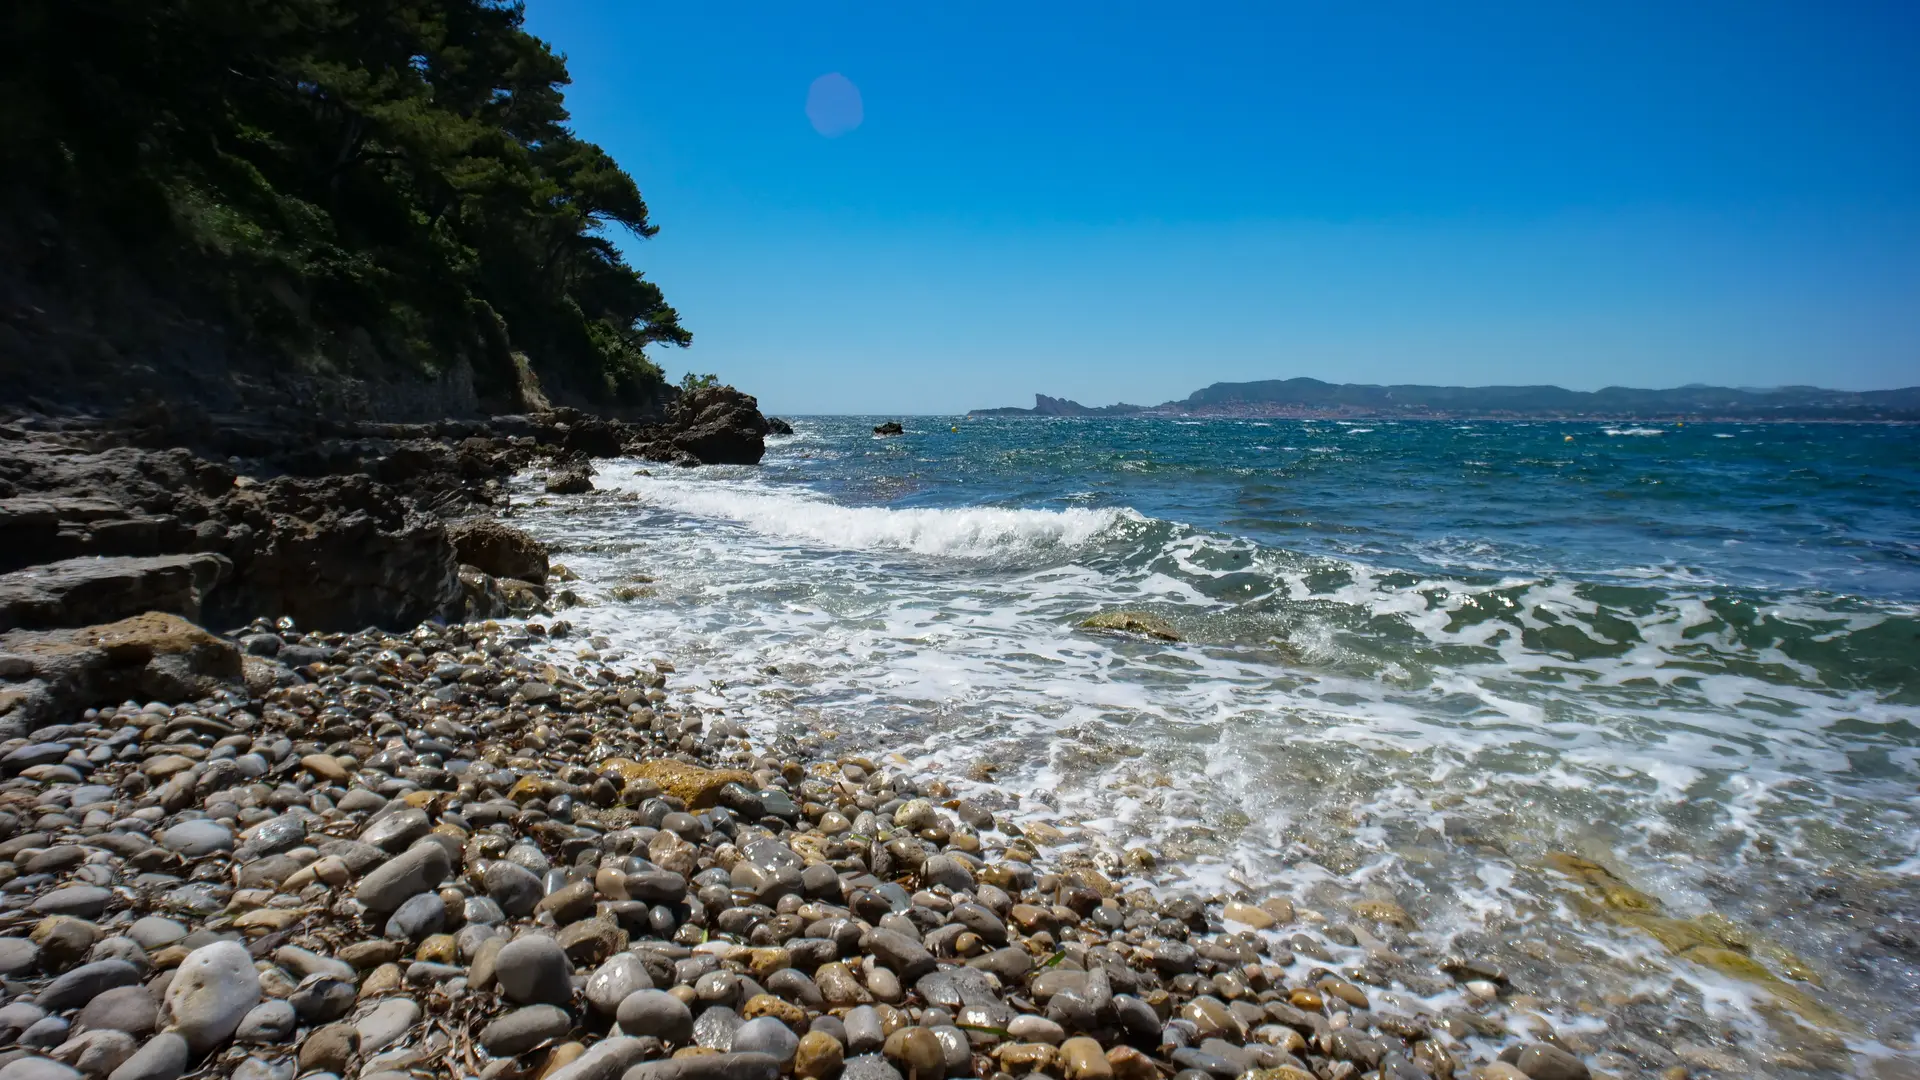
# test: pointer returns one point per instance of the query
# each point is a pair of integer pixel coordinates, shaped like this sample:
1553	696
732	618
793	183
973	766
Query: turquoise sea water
1418	659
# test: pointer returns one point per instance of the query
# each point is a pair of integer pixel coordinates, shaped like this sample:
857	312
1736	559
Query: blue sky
1127	202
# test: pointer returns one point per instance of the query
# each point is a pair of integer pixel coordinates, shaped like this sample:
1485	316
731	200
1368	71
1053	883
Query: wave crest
969	532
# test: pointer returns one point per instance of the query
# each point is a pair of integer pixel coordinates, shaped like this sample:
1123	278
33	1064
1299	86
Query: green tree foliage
691	382
392	181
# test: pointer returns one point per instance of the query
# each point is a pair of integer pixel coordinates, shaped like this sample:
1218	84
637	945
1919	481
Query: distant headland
1312	398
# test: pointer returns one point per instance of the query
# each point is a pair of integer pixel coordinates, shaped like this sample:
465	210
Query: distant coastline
1312	399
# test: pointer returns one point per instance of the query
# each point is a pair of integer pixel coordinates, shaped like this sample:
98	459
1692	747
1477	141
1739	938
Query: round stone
869	1067
769	1036
419	917
97	1053
267	1022
17	956
153	933
196	838
523	1029
514	887
616	980
388	1021
819	1056
656	1013
125	1008
163	1057
917	1052
211	992
533	970
1039	1029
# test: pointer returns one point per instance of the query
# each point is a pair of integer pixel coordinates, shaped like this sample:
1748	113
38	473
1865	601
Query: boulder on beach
46	675
212	991
714	425
573	478
499	550
93	590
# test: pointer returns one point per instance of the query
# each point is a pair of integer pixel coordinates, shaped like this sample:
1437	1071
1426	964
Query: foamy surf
971	532
1332	727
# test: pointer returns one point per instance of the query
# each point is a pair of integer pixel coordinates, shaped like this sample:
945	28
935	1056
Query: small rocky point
337	525
406	840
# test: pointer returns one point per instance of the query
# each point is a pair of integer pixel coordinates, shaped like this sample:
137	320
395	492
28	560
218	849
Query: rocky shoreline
457	847
430	853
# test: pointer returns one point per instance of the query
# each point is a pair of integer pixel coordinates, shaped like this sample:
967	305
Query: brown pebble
385	979
439	949
839	987
786	1012
1248	915
1130	1064
917	1053
326	767
764	962
329	1049
559	1057
1082	1059
819	1057
1018	1058
366	955
1345	991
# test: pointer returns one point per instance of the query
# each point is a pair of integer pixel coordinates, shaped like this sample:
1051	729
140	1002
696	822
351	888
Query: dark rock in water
571	479
95	590
891	427
500	550
777	426
1133	622
717	425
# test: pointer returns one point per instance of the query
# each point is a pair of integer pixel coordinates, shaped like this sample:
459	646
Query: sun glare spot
833	105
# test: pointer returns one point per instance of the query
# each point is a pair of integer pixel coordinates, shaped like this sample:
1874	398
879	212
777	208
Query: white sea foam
1298	741
973	532
1634	431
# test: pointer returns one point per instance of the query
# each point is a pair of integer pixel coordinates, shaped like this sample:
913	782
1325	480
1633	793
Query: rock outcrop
500	550
337	551
891	427
717	425
337	525
93	589
46	676
572	478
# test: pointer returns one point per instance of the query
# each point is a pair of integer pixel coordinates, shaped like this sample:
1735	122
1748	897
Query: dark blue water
1419	659
1790	506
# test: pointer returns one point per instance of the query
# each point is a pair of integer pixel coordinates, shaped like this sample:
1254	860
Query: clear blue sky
1113	201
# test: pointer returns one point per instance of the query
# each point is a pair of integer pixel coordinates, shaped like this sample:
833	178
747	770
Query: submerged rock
1133	622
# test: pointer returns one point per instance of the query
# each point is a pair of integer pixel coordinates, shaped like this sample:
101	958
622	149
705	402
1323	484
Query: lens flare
833	105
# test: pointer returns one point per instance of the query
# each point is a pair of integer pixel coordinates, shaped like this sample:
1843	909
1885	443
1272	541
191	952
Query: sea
1630	711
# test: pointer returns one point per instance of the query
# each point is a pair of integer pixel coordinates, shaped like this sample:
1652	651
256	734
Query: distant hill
1052	406
1312	397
